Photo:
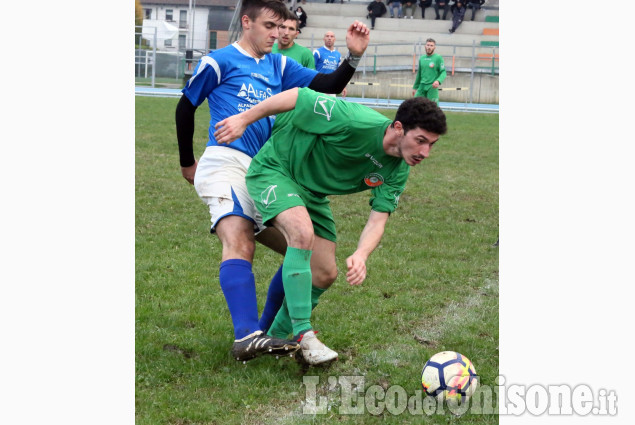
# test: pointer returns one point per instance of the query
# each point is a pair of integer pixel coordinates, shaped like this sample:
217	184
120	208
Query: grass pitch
432	285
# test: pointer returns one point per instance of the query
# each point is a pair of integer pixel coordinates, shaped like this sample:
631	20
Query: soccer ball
449	375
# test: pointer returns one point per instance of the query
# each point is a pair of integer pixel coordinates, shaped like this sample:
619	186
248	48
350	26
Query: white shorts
220	183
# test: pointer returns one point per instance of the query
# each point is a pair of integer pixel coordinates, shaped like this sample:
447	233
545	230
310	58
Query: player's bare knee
237	247
302	238
330	276
324	277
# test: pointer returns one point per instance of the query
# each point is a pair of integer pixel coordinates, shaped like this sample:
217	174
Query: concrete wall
484	87
393	50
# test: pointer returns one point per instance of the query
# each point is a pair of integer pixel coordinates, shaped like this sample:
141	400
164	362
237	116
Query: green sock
296	279
316	293
281	326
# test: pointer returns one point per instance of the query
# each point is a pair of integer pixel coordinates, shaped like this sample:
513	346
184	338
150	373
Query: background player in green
326	146
287	46
431	73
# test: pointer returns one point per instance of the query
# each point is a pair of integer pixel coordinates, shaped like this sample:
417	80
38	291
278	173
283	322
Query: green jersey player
431	73
326	146
287	46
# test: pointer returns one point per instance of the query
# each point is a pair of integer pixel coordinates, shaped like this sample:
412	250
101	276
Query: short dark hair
294	17
431	40
253	9
419	112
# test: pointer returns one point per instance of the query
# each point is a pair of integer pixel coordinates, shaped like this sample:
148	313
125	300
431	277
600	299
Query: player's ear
245	21
398	127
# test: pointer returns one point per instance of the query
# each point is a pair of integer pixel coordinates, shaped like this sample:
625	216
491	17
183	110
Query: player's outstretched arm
357	38
368	241
233	127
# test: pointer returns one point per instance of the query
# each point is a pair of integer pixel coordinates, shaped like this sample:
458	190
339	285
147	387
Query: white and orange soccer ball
449	375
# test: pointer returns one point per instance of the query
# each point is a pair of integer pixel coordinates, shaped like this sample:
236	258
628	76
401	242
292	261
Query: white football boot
314	352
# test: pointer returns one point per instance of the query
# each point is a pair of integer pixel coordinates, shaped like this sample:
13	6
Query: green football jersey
431	68
333	147
301	54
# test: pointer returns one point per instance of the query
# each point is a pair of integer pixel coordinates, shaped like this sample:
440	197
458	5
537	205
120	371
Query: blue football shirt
325	60
232	81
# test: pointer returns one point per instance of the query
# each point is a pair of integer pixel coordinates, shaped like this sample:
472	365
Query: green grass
160	82
432	285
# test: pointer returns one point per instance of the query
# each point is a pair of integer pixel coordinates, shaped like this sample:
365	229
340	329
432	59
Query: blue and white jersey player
327	58
233	79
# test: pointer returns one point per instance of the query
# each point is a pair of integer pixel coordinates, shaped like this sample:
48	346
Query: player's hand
436	84
413	92
229	129
188	172
357	38
356	265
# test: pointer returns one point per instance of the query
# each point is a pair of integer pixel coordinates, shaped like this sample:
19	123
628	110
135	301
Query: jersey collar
244	52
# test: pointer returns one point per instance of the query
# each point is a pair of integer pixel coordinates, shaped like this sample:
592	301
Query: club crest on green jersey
323	106
374	180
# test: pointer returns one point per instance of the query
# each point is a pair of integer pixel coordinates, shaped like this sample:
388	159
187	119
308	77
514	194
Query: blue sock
275	296
239	287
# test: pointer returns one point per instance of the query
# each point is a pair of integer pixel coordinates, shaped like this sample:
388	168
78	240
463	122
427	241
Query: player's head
260	20
329	39
430	46
255	8
419	123
419	112
288	33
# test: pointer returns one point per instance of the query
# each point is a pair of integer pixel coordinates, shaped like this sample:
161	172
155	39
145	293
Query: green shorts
428	92
274	192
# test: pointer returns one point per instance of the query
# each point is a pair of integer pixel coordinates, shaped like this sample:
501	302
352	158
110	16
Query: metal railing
235	26
145	59
158	67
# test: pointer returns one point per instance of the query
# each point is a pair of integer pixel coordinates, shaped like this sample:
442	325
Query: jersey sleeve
205	78
385	198
295	75
418	77
309	60
442	73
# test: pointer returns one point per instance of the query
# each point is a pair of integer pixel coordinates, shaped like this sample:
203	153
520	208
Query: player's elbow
184	109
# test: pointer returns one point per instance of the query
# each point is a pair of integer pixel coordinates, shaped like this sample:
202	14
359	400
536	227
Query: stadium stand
396	44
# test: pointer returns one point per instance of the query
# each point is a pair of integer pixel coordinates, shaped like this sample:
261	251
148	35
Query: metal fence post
472	70
364	75
453	56
138	51
375	62
154	55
